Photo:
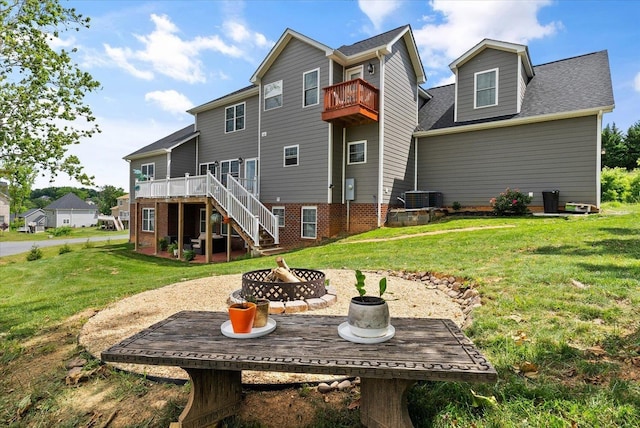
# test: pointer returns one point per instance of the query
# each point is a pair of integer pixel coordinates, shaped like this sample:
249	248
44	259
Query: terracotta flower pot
242	316
368	316
262	313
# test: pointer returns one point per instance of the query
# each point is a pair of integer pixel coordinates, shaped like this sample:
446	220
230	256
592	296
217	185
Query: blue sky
156	59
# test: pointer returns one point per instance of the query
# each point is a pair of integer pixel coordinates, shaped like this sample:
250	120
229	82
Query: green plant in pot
173	248
368	315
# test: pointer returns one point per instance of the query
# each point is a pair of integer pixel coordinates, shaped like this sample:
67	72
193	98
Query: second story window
486	88
148	171
273	95
310	90
234	118
291	155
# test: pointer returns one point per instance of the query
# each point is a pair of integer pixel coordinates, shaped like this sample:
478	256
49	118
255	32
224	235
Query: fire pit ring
313	286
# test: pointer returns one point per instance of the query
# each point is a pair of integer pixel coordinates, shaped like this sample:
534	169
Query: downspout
259	166
415	163
380	140
330	142
598	157
344	161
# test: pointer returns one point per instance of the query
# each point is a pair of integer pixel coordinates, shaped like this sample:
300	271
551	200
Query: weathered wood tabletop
422	349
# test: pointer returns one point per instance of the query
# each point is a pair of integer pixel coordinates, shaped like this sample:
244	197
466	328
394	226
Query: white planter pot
368	316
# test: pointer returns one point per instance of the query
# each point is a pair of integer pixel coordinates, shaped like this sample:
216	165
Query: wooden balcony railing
351	103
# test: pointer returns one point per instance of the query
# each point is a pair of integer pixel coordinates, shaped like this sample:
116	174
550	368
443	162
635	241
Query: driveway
16	247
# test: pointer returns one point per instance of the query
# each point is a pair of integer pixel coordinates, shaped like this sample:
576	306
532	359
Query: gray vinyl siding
400	119
488	59
365	175
160	168
183	159
291	124
216	145
473	167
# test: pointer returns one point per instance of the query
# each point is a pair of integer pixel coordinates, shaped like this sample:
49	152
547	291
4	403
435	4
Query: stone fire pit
309	294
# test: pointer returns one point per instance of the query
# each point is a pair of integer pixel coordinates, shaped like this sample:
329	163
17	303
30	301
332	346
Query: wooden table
422	349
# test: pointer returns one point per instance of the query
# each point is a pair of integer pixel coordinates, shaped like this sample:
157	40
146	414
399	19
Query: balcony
351	103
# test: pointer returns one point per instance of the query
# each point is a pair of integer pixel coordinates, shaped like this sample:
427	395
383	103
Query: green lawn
81	232
561	295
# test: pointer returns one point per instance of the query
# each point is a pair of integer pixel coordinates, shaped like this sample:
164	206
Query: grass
558	294
80	232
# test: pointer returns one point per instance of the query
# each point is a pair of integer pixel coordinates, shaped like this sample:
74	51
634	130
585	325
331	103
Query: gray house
71	211
5	212
327	141
35	220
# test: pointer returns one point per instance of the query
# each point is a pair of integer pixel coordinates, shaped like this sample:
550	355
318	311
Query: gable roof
382	44
570	87
30	212
520	50
69	202
165	144
239	95
277	49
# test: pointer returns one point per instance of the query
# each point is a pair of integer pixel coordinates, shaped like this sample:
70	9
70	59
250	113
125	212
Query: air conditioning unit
422	199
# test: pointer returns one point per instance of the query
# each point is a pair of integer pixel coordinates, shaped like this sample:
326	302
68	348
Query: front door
231	167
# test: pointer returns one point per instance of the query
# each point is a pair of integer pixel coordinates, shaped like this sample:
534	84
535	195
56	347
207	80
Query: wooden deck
422	349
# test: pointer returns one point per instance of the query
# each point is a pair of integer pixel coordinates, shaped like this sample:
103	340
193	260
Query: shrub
163	244
61	231
615	184
64	249
34	254
189	255
456	206
511	202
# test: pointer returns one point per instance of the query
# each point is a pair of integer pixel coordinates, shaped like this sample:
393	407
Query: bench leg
383	403
215	395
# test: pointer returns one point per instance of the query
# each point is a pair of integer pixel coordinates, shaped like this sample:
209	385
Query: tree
42	90
632	142
108	197
21	179
614	148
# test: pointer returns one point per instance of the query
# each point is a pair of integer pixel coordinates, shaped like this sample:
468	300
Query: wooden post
180	228
208	246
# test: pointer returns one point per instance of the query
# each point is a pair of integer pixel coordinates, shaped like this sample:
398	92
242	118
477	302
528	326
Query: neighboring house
327	141
121	210
71	211
35	220
5	211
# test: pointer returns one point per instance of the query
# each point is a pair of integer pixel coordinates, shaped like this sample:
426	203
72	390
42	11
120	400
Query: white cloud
102	154
636	82
239	33
166	53
171	101
57	42
463	24
377	10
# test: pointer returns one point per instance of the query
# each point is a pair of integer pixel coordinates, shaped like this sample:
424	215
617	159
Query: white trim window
273	95
211	166
486	88
311	88
148	219
279	211
357	152
309	222
148	171
203	220
234	118
291	155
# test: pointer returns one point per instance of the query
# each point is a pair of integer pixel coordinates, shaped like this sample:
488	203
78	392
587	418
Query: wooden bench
422	349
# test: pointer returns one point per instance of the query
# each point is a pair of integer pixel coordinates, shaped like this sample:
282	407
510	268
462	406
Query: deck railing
356	92
239	203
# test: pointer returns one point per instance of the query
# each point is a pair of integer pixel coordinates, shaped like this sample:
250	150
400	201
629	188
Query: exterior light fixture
240	160
371	69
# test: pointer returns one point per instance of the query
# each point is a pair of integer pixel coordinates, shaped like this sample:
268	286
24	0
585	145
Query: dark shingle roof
69	201
573	84
166	142
371	43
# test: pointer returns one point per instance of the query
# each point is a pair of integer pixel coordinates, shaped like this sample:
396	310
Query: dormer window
486	88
